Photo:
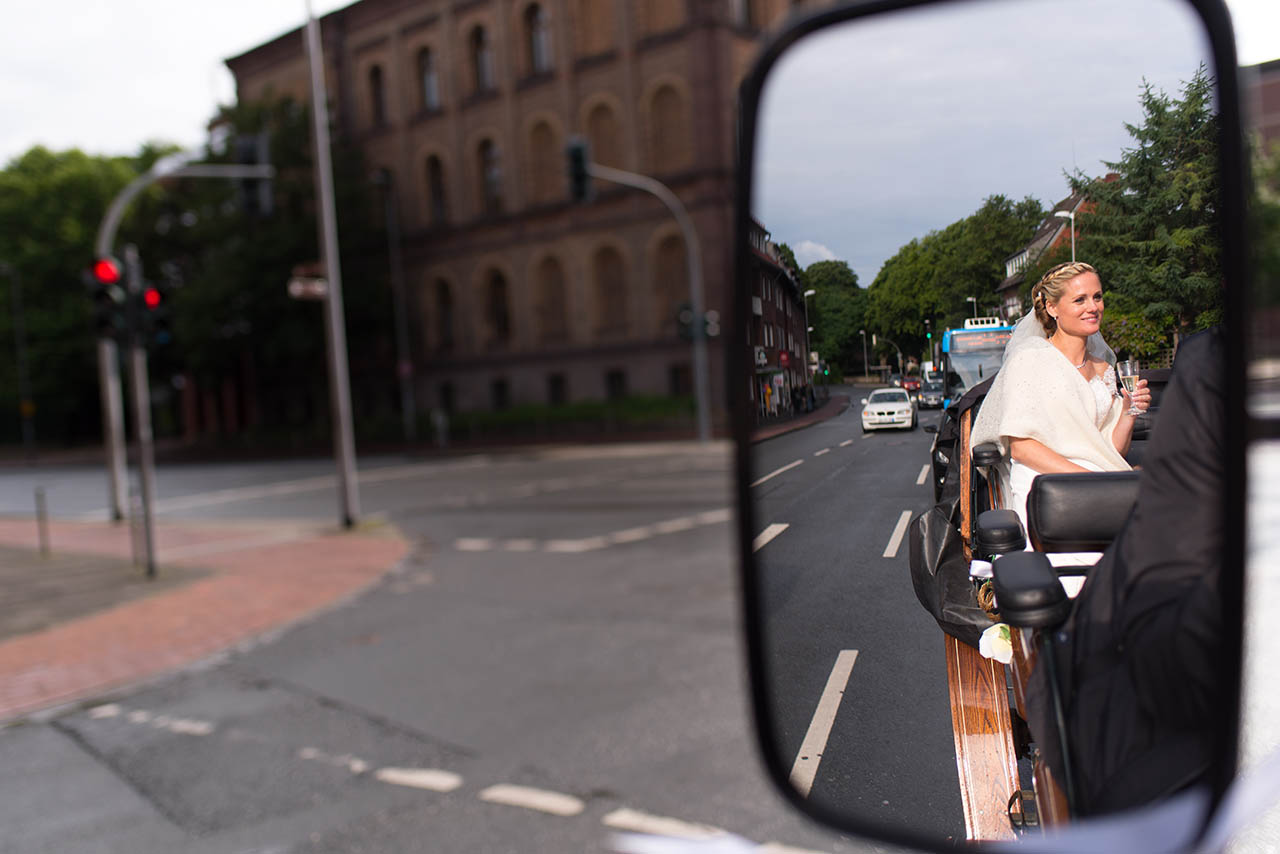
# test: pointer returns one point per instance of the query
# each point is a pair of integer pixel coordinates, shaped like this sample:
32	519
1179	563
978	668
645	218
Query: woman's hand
1140	399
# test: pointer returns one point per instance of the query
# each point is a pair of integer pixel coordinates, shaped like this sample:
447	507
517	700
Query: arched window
550	307
377	97
482	61
489	168
537	31
428	80
437	206
609	278
497	310
594	26
670	138
444	317
546	167
670	283
605	136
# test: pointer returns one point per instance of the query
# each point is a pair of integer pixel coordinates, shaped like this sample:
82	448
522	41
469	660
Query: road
559	657
841	612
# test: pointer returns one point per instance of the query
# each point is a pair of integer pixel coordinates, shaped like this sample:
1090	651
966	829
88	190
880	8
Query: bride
1054	406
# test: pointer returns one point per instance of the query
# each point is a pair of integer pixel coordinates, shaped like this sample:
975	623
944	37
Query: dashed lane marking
587	544
846	443
805	768
823	451
924	475
542	800
764	537
635	821
354	764
899	531
776	472
431	779
473	544
178	726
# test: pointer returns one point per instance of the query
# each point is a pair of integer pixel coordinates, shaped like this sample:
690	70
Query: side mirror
876	142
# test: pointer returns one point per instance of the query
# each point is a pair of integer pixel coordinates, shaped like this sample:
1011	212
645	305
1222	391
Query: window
605	136
538	39
550	305
670	141
482	61
546	166
557	390
428	80
499	394
377	97
437	208
670	283
444	316
490	171
615	384
610	288
497	310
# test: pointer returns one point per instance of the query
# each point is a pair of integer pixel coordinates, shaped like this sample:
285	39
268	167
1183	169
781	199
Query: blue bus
972	354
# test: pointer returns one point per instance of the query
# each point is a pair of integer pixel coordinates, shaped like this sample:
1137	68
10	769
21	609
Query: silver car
888	408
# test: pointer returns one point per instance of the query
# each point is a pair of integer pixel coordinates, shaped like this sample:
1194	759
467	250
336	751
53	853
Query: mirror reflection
981	234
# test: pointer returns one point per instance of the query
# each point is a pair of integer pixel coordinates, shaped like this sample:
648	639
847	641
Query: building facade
517	295
777	329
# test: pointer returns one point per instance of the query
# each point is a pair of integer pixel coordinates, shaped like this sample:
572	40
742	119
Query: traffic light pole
693	255
140	388
112	424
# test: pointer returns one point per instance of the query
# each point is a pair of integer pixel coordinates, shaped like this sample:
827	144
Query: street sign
784	359
308	287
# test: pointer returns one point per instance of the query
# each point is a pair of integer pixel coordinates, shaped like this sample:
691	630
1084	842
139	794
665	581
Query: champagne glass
1128	371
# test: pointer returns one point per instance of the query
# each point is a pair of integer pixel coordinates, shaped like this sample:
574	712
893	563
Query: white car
888	407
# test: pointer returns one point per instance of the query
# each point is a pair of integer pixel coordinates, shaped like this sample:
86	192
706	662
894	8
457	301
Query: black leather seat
1080	512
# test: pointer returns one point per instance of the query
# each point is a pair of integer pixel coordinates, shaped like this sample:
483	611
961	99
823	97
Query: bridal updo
1050	289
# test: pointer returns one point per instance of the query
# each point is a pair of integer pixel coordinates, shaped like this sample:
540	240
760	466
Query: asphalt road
843	621
559	658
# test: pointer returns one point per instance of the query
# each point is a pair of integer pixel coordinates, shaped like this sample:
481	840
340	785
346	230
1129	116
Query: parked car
886	408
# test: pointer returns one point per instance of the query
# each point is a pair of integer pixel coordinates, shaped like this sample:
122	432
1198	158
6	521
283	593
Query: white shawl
1039	395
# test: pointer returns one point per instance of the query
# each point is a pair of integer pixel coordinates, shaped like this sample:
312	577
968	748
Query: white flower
997	642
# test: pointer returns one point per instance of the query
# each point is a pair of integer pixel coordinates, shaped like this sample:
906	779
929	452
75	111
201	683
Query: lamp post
973	300
866	373
1071	215
807	329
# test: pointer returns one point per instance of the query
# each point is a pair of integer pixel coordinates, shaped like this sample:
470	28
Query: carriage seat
1079	512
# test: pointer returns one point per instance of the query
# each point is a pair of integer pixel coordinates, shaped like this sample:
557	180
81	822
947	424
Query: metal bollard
42	521
135	525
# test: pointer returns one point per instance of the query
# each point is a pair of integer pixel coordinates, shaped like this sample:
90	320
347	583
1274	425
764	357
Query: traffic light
578	154
153	317
109	301
684	321
255	193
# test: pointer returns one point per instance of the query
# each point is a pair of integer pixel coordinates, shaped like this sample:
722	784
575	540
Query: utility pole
140	391
335	327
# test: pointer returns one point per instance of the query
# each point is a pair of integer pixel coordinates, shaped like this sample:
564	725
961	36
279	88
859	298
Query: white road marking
524	545
185	726
776	472
815	740
656	825
823	451
899	531
924	475
671	526
713	517
762	539
555	803
473	544
432	779
632	535
139	716
846	443
110	710
574	546
352	763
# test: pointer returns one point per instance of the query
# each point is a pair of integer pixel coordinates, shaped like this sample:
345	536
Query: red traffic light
106	271
151	298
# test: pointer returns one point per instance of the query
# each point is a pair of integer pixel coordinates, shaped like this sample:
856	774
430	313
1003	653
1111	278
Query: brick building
517	295
778	332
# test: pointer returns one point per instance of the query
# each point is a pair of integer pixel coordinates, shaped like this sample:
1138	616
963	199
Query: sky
108	77
883	131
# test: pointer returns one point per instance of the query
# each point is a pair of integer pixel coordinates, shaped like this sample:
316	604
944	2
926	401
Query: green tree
837	311
1151	226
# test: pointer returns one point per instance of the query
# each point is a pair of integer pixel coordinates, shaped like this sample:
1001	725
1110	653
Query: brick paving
837	403
242	581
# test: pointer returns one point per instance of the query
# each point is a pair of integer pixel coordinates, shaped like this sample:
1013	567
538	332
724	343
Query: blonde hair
1050	289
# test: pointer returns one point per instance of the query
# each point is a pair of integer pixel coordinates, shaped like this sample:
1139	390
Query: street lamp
807	330
865	368
1071	215
973	300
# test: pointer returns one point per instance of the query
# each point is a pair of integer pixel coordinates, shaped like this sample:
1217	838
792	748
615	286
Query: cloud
807	252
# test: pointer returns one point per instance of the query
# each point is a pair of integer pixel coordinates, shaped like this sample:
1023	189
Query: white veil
1030	331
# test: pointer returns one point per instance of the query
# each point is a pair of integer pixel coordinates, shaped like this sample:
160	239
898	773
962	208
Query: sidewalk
84	622
837	403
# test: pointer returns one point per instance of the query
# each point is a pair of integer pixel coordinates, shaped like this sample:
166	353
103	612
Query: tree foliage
1152	230
931	277
837	313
